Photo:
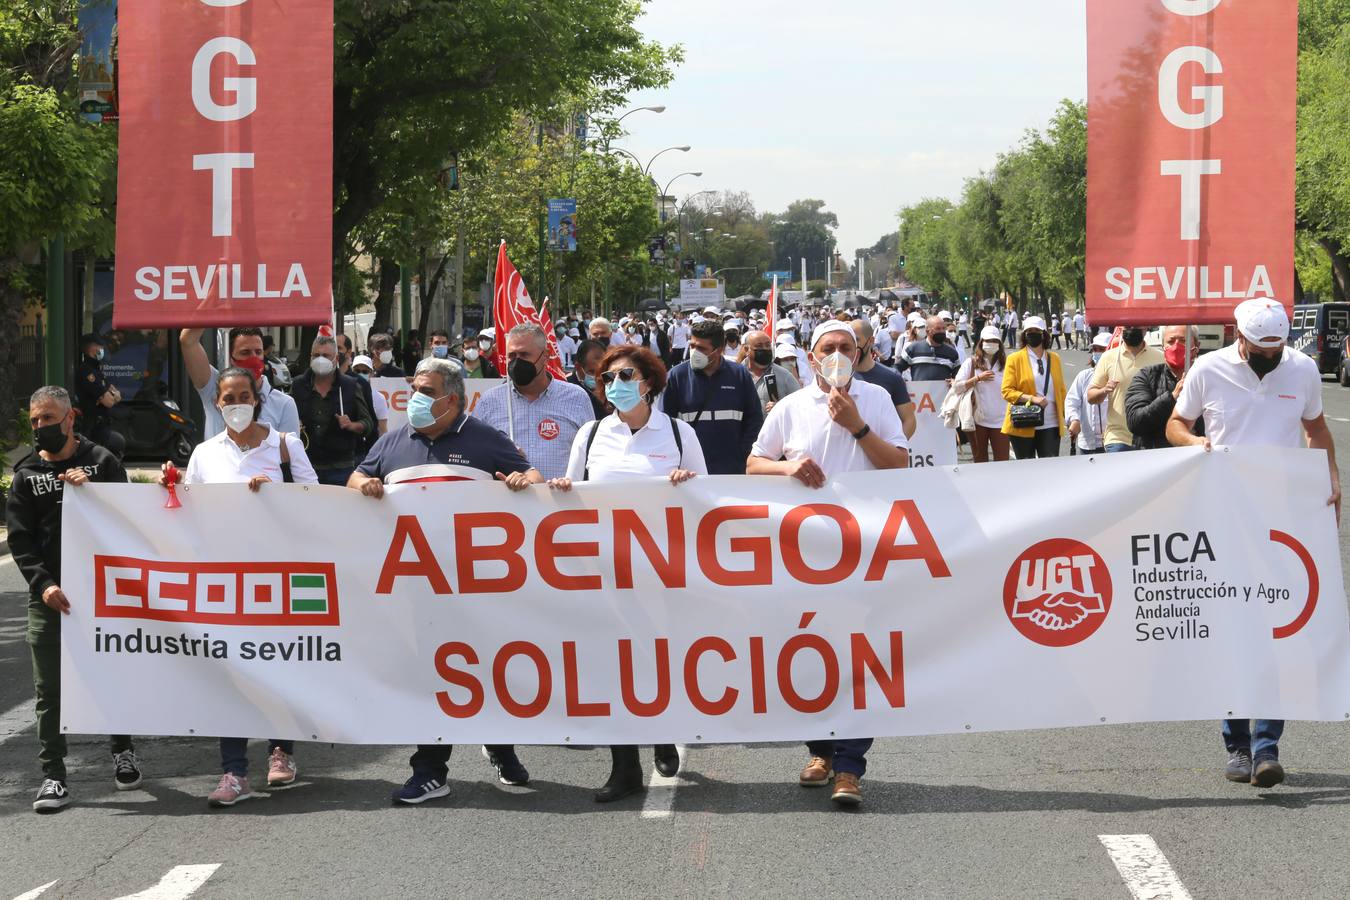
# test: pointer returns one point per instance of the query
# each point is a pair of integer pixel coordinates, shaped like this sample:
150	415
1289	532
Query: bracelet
862	432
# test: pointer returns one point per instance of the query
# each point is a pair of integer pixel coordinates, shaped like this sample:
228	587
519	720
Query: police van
1320	330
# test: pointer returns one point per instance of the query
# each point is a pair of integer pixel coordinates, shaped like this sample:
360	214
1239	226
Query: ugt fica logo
294	594
1058	592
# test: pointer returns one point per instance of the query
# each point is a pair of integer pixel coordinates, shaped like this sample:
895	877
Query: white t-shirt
567	348
620	454
800	426
884	343
990	406
381	405
679	336
1241	410
218	460
1045	388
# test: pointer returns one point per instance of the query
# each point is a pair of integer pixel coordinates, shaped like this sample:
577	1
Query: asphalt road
991	815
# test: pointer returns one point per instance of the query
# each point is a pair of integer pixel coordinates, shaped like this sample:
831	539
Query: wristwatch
862	432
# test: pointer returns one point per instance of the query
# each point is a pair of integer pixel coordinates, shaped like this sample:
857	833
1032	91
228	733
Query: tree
1323	168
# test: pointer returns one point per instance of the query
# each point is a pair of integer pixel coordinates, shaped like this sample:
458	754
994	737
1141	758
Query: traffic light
902	260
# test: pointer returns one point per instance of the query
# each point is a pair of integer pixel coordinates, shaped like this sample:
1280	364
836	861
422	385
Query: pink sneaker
230	791
281	769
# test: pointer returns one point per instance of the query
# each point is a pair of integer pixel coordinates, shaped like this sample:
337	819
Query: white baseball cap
1102	341
916	318
829	326
784	351
712	311
1033	322
945	314
1263	321
991	333
488	333
363	360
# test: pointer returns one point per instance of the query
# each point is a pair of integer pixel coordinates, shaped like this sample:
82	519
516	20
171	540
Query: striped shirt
545	427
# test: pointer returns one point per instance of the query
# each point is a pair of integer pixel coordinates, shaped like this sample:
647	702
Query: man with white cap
930	359
786	333
835	424
679	340
1087	420
1256	392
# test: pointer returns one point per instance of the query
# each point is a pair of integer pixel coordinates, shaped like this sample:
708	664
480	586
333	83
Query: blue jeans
848	755
234	754
1237	735
334	476
1118	448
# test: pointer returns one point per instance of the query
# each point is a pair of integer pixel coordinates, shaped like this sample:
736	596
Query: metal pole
55	369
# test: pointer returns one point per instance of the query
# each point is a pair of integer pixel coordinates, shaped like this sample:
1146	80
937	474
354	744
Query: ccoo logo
1057	593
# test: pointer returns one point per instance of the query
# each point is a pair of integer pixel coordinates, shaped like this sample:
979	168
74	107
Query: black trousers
434	759
1044	444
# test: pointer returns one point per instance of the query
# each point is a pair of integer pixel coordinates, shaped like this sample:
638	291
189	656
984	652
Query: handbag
1029	415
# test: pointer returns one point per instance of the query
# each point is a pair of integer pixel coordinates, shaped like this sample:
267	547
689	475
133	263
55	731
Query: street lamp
648	168
655	109
666	192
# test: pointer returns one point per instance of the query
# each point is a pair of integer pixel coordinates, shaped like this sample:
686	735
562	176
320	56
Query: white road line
17	720
36	892
660	799
1146	871
180	883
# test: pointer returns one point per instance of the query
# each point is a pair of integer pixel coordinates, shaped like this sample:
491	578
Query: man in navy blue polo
718	398
441	443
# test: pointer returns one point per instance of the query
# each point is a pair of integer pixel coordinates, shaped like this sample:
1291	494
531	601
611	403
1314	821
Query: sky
869	105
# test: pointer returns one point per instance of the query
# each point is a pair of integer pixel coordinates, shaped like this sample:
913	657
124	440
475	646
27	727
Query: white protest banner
727	609
397	390
933	444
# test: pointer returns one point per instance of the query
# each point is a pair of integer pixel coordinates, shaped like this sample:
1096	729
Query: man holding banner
1256	392
441	443
837	424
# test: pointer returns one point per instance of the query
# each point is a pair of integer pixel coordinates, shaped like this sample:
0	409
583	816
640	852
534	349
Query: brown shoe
816	774
847	791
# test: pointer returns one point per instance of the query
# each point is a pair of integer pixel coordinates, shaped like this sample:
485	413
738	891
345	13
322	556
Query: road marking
6	560
1146	871
180	883
17	720
660	800
1334	419
36	892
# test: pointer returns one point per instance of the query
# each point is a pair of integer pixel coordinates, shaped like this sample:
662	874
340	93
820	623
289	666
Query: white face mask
836	370
485	346
991	347
698	360
238	416
321	366
921	331
470	354
386	357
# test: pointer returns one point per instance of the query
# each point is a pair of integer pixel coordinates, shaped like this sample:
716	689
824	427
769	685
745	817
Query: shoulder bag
1029	415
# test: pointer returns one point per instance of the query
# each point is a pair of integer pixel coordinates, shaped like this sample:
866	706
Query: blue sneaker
420	788
509	768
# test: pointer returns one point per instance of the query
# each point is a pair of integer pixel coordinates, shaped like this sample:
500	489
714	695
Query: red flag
1116	337
511	305
771	314
555	366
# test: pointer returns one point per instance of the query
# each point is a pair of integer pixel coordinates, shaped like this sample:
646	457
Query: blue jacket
724	410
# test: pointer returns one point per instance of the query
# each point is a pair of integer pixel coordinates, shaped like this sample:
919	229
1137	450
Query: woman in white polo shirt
633	442
252	453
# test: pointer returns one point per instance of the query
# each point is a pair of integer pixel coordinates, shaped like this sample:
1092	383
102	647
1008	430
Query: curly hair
648	364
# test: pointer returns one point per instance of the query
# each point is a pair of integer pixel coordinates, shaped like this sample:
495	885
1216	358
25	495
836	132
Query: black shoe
1239	766
625	777
126	771
508	766
667	760
1267	773
52	797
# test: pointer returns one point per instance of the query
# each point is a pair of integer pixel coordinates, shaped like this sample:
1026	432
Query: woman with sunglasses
633	442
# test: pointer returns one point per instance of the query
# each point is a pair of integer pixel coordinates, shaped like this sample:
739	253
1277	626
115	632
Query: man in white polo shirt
1256	393
833	425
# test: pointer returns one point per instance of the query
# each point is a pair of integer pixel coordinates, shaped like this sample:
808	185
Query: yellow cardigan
1019	379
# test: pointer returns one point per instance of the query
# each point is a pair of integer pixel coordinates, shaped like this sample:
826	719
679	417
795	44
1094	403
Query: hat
830	326
915	318
1102	340
488	333
1031	322
363	360
696	318
785	325
712	311
784	351
991	333
1263	322
945	314
732	326
574	332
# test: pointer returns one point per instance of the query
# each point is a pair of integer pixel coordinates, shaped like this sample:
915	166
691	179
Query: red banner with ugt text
224	206
1191	116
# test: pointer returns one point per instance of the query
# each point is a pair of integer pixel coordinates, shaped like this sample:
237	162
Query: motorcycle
154	426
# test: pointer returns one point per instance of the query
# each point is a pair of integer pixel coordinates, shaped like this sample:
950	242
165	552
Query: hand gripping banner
1191	113
225	163
727	609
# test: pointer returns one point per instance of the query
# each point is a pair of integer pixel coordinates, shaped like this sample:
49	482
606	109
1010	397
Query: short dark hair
91	338
236	333
647	363
379	337
586	348
711	331
441	332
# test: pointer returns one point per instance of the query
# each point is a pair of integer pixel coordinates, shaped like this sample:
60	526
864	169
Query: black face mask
1132	337
938	337
49	437
522	371
1263	365
764	357
1033	339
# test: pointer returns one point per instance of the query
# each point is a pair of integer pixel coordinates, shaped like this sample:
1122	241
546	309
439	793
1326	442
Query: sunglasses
624	375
